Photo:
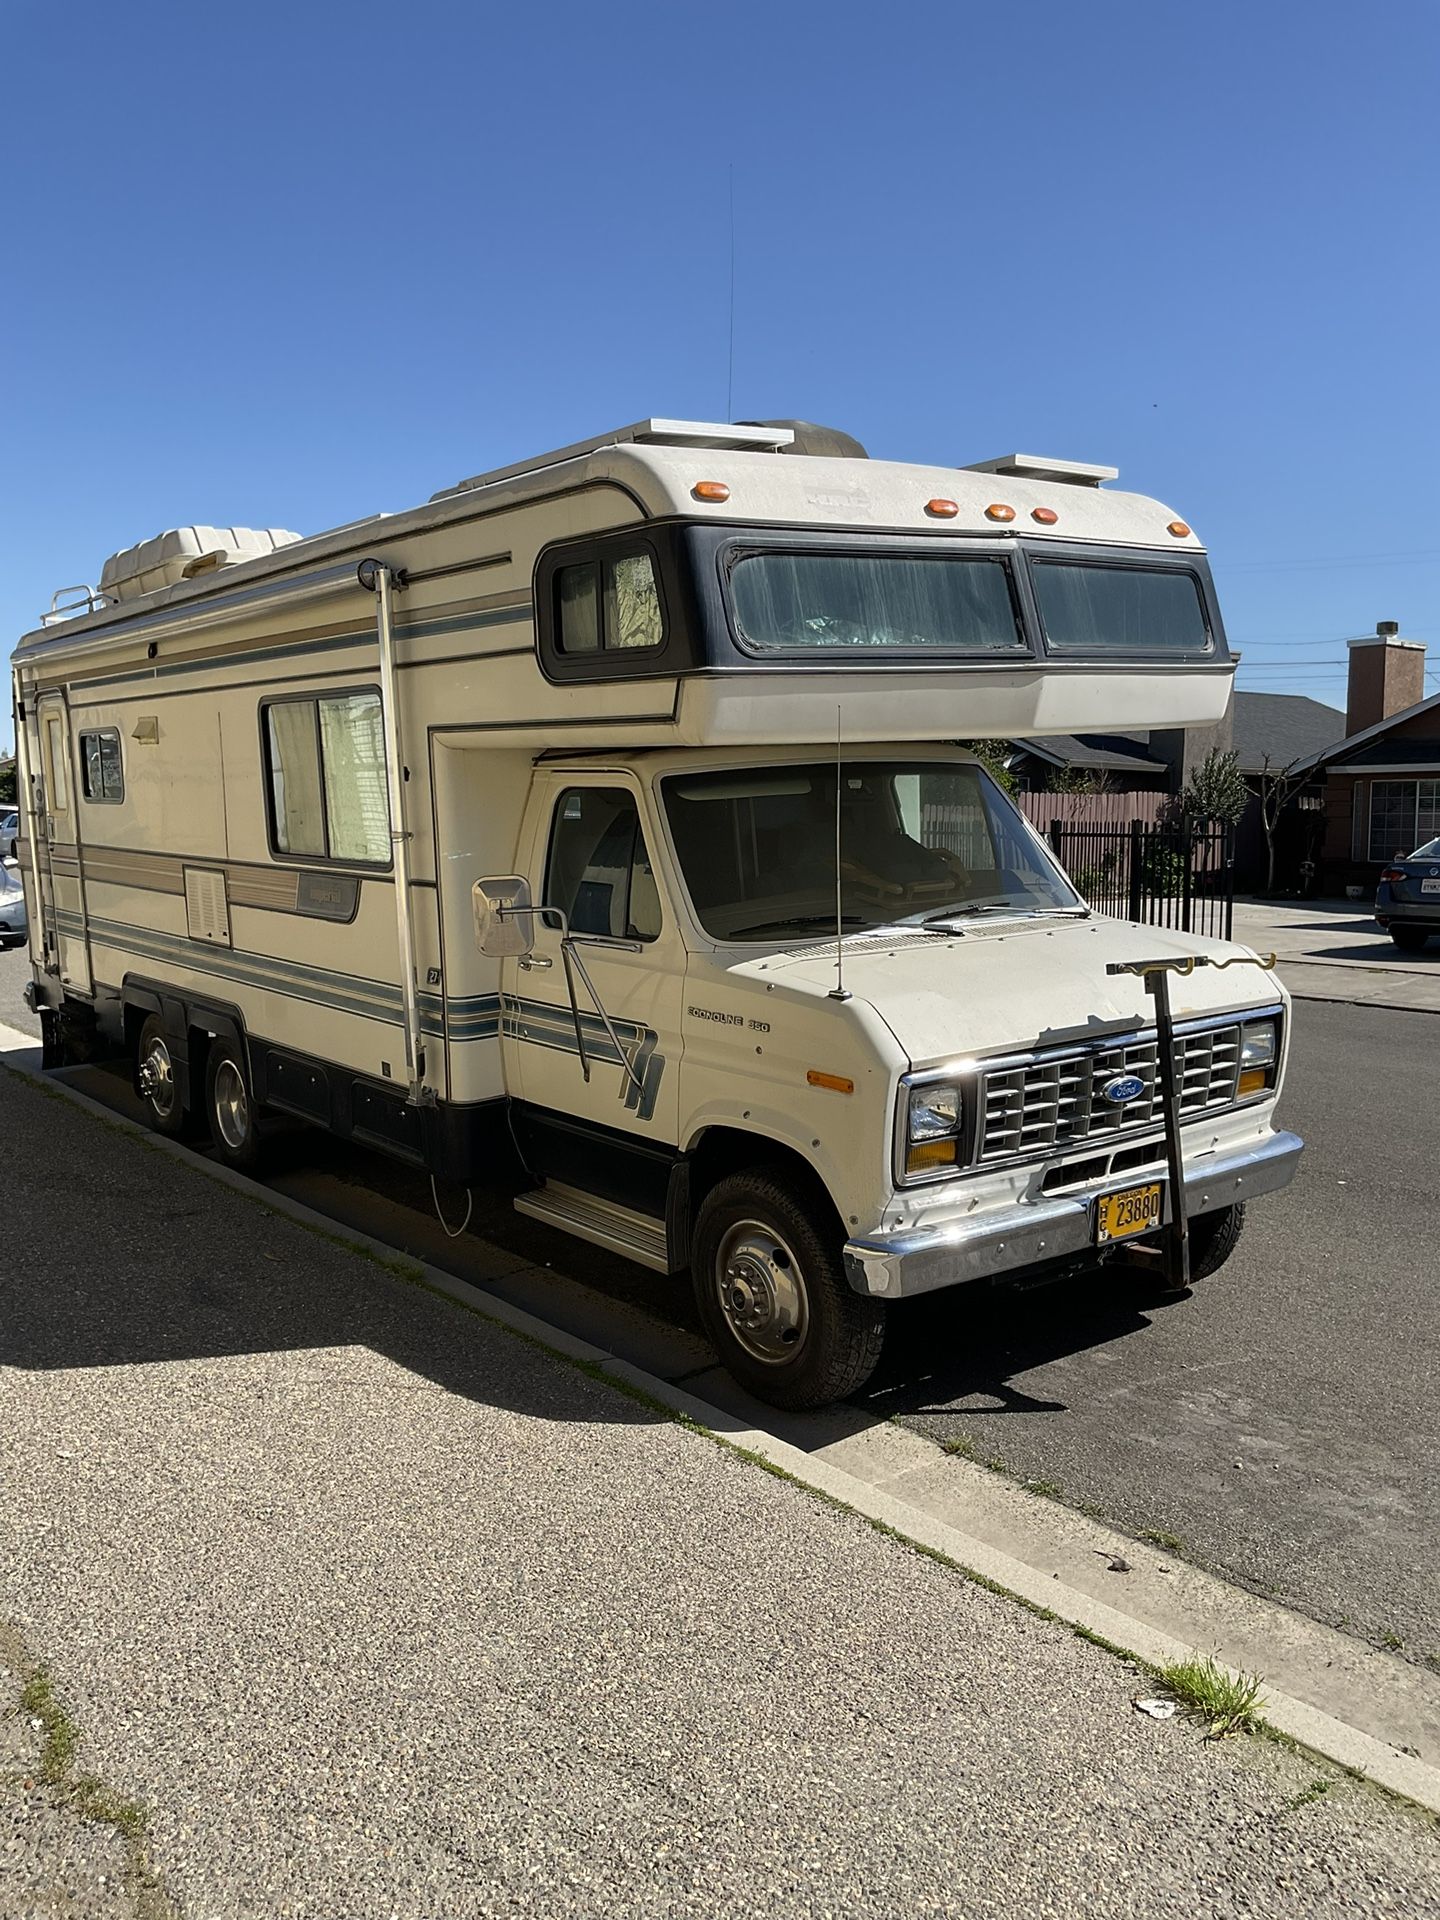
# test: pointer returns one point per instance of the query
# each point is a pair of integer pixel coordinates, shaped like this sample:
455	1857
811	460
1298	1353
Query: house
1381	779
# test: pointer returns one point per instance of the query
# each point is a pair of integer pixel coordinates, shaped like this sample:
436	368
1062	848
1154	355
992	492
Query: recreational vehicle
606	814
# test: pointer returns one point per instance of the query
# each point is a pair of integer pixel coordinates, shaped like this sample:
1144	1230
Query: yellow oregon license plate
1119	1216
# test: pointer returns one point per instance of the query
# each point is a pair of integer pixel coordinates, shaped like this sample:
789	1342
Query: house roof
1346	747
1284	726
1119	752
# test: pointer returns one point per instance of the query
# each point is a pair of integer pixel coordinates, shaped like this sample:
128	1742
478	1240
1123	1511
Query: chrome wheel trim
232	1105
761	1292
157	1077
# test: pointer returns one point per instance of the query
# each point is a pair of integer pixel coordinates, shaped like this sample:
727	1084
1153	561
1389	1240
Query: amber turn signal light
836	1082
710	490
942	509
1253	1080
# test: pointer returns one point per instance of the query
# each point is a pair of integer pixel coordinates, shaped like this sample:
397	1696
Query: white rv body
150	729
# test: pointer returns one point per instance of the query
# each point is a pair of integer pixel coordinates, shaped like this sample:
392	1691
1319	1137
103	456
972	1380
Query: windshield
920	842
964	604
1085	608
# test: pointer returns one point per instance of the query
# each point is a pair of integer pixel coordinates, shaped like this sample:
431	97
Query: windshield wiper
968	907
801	922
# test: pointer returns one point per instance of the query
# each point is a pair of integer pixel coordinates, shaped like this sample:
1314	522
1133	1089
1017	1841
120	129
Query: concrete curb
1158	1643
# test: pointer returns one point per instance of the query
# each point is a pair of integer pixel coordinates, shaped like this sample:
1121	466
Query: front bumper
896	1266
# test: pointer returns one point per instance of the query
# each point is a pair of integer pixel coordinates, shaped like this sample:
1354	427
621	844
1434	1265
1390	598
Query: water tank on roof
184	553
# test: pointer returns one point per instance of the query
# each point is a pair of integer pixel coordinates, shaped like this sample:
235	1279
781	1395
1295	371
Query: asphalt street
1279	1426
363	1606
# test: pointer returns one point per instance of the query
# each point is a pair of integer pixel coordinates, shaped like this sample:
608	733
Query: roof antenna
730	371
839	991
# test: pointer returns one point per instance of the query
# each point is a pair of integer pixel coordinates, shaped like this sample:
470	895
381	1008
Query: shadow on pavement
176	1268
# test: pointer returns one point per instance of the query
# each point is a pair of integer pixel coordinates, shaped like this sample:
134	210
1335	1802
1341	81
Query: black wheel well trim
715	1153
192	1025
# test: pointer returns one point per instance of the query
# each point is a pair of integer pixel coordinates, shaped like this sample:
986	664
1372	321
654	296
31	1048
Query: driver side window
598	871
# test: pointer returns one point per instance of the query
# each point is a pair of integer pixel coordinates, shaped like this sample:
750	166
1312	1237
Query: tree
1216	790
1276	786
991	755
8	790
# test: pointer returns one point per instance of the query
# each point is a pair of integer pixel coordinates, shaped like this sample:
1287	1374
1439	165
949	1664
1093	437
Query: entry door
63	916
592	861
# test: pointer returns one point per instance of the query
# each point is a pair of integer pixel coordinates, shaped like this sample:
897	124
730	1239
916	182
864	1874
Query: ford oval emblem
1123	1089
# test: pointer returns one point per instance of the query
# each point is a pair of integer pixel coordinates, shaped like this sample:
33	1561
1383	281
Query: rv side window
599	873
325	759
611	605
102	777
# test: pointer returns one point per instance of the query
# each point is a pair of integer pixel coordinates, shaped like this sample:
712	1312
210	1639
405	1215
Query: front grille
1045	1104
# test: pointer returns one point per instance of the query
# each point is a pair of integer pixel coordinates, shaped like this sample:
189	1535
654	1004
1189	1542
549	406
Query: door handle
530	960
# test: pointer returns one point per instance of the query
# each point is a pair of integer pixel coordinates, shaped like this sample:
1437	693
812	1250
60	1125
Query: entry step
639	1236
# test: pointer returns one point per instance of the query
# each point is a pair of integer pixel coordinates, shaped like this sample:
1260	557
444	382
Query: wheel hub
156	1078
761	1292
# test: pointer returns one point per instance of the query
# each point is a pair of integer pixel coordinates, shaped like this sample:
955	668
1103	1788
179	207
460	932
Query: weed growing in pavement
1229	1701
1316	1790
1171	1542
1047	1489
960	1444
1391	1642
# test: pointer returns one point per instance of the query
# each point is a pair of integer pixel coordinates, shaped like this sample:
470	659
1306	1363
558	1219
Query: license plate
1119	1216
1430	886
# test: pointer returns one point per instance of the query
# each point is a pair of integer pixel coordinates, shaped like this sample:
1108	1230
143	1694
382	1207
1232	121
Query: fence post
1187	878
1056	832
1137	866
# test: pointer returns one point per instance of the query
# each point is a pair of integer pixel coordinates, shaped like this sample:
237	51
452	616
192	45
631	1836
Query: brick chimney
1387	674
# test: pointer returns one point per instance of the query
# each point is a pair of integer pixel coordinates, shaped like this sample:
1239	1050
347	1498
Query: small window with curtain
611	605
325	765
102	777
598	872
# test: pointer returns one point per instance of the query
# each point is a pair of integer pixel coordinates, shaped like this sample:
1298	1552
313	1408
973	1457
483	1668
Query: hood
1020	984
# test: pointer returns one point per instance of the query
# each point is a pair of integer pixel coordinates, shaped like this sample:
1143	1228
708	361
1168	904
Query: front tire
772	1294
1408	939
230	1107
1213	1238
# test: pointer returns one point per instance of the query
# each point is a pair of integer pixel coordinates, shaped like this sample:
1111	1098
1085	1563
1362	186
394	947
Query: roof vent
183	554
1031	466
825	443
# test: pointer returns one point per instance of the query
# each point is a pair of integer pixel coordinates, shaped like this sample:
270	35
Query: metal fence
1170	876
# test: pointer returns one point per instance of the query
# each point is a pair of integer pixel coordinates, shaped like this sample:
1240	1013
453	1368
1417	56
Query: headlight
1259	1056
934	1117
934	1111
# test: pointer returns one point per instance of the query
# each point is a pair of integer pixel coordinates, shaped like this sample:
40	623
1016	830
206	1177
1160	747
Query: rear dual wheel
229	1105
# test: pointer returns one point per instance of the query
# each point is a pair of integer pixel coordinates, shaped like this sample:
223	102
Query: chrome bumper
894	1267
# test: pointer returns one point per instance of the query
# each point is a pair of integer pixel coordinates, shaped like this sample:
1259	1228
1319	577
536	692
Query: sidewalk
371	1608
1333	950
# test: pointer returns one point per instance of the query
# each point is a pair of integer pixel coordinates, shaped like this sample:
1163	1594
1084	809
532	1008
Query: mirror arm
570	955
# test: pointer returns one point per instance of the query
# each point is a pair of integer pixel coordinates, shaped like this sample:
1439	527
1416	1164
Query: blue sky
284	266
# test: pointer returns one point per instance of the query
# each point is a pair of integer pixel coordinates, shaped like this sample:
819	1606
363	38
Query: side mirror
504	917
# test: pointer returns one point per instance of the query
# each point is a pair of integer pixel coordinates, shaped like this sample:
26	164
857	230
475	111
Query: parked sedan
14	926
1407	903
9	832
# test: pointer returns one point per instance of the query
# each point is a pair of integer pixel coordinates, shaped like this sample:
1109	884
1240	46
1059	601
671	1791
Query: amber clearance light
1179	529
1047	516
999	512
942	509
710	490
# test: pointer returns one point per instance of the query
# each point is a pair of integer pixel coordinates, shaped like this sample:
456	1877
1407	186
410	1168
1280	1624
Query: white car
14	925
9	832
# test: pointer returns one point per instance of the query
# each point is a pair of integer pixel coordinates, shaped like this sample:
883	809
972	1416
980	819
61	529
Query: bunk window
1090	608
609	605
325	763
599	873
102	776
832	601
